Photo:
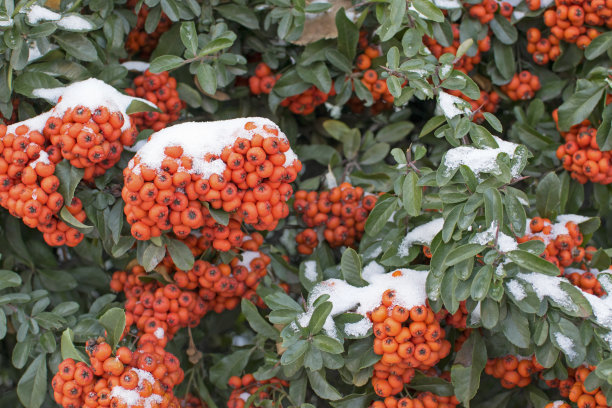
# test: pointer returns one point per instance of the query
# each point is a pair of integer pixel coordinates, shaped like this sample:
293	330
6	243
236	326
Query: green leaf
436	385
72	221
375	154
9	279
429	10
220	216
579	106
216	45
319	316
180	253
114	323
327	344
348	35
150	255
503	30
69	178
316	74
548	196
481	283
189	36
228	366
385	206
604	131
395	132
516	328
350	265
77	45
467	368
32	386
532	263
165	63
294	352
412	194
137	106
68	349
338	60
241	14
599	45
432	124
321	387
494	210
463	252
258	323
207	78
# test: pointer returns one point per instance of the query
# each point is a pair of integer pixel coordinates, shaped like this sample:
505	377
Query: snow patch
409	286
36	14
75	23
516	289
140	66
566	344
132	398
423	234
310	271
199	139
448	104
480	160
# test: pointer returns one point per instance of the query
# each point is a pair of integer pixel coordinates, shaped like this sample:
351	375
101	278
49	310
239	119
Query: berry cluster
573	388
425	399
343	210
246	386
562	241
569	21
191	401
243	166
302	104
406	340
522	86
144	377
485	11
465	63
488	102
159	89
580	155
585	280
91	139
458	319
138	40
28	186
513	371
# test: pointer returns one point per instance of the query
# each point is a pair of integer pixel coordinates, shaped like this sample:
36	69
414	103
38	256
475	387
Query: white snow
310	270
140	66
516	289
132	398
480	160
35	123
159	333
248	257
201	138
505	243
475	316
566	344
42	158
448	104
423	234
358	328
244	396
36	14
409	286
90	93
6	23
372	269
447	4
74	22
548	286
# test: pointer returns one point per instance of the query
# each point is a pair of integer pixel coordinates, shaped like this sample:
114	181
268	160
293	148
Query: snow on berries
144	377
343	211
88	126
241	166
159	89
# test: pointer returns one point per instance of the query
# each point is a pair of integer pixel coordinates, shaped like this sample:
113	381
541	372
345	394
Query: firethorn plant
346	204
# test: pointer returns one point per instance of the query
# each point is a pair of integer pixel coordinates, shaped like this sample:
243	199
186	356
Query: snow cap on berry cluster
199	139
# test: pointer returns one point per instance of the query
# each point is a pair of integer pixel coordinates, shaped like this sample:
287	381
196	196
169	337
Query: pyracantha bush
306	204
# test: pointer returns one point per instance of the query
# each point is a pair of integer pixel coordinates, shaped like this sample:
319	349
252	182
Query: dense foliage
421	221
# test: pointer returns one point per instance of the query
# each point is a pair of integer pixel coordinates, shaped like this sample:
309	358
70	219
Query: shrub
306	204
